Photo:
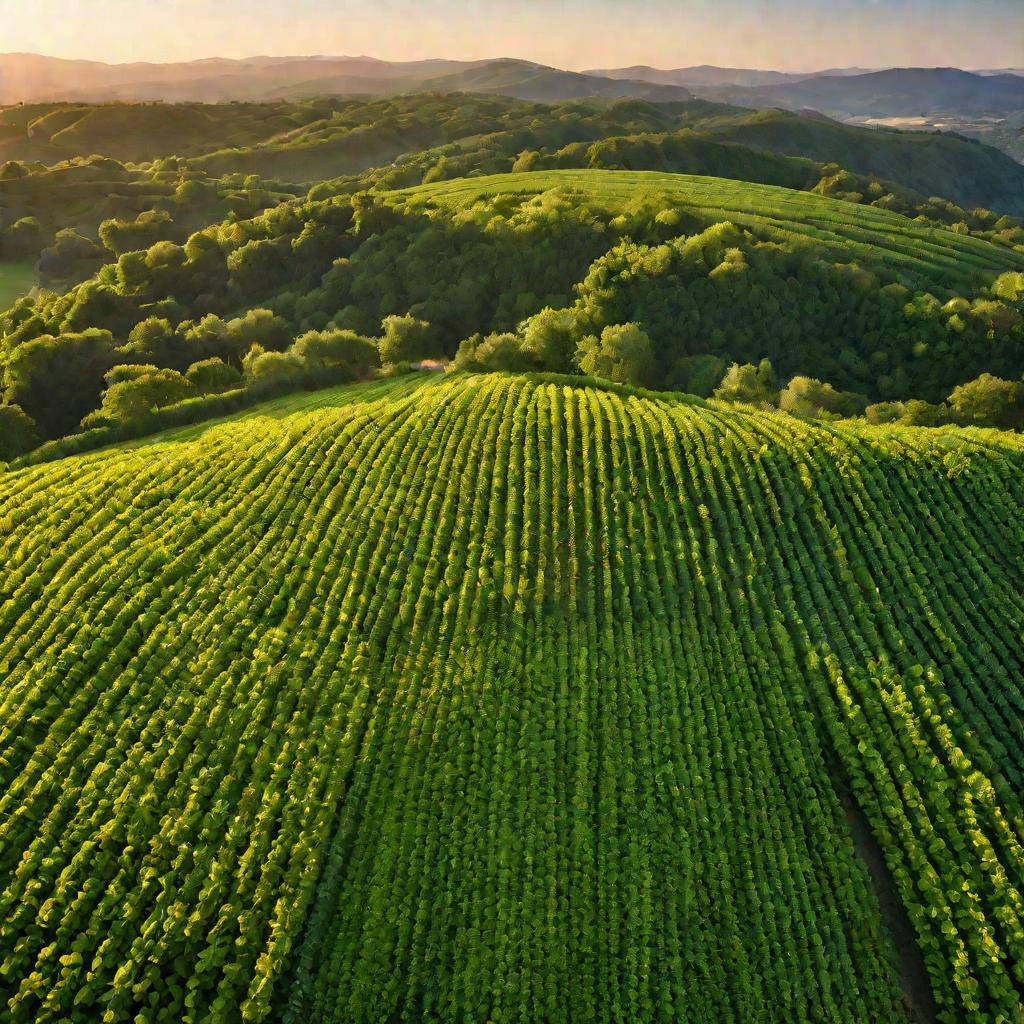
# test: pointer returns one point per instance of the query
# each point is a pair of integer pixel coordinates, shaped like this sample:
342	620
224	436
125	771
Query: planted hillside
491	698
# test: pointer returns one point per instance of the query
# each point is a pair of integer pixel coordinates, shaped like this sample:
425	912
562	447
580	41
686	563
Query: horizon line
476	60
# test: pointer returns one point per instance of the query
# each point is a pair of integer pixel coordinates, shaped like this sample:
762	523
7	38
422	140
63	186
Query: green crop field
16	278
498	698
874	236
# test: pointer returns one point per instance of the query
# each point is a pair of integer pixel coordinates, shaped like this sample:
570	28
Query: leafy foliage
989	401
711	271
17	432
623	353
135	391
806	396
753	385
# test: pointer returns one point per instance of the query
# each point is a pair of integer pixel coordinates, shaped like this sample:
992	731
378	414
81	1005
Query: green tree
497	353
885	412
212	376
133	396
550	339
405	338
749	383
918	413
622	354
337	349
129	371
150	227
258	327
989	401
57	380
23	238
808	396
152	339
18	433
71	257
271	371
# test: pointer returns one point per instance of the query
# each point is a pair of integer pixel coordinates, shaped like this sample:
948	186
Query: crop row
504	699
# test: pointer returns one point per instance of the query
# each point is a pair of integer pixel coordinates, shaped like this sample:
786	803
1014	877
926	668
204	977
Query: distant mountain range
842	93
31	78
897	92
709	75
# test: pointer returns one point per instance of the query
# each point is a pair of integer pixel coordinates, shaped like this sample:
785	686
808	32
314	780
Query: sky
789	35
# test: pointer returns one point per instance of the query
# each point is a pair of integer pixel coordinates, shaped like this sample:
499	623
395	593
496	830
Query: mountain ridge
892	92
711	74
34	78
27	77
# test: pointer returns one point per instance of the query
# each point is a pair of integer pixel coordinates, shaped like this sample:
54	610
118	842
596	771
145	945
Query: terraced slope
502	698
843	230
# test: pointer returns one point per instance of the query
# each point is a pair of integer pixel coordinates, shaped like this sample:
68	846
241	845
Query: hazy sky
784	34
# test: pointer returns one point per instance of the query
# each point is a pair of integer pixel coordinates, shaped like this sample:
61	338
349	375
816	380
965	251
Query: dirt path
913	977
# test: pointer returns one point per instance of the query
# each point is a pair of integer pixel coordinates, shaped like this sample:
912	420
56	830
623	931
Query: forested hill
898	91
518	272
308	141
935	164
288	245
514	698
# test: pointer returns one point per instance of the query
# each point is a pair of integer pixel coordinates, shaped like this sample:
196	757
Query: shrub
548	337
405	338
885	412
337	349
748	383
808	396
129	371
271	370
138	391
496	352
917	413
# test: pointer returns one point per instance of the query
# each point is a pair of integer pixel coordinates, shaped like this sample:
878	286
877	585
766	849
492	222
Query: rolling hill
517	78
514	698
879	240
26	78
312	140
870	300
930	163
53	132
